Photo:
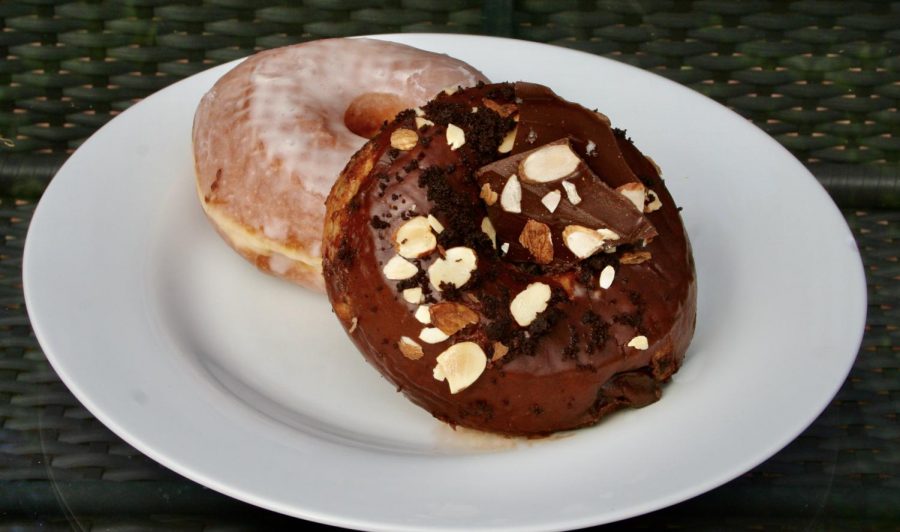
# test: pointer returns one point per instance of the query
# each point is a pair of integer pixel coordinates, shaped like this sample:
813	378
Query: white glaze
274	125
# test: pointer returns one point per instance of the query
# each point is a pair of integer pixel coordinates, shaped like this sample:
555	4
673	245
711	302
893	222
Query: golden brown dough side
470	274
270	257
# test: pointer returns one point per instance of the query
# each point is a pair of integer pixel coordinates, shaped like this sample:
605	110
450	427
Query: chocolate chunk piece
552	186
545	117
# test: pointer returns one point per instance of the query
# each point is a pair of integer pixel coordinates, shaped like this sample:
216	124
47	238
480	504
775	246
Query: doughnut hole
367	112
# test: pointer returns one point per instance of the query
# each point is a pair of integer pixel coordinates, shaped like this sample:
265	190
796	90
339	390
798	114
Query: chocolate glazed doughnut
511	262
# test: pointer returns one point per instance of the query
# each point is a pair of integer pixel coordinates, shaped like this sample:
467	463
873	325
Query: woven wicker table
822	77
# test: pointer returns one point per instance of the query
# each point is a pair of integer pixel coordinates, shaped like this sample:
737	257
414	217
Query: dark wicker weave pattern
821	81
820	76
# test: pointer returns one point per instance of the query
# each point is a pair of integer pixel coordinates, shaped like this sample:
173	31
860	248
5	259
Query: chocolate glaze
571	366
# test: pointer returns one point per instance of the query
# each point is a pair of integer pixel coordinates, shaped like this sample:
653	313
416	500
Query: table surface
822	77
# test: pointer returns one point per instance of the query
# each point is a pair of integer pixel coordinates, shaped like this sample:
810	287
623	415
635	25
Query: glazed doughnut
273	134
511	262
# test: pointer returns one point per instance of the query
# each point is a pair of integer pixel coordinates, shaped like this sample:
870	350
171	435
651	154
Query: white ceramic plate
248	385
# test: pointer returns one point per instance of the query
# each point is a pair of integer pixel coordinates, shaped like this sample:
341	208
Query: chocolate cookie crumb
571	349
378	223
405	116
345	253
598	330
413	164
505	92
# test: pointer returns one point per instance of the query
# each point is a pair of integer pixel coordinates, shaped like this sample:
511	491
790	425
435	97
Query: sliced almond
423	314
414	238
488	195
582	241
451	90
608	234
500	351
435	224
460	365
404	139
635	257
432	335
505	248
413	295
639	342
419	111
451	317
567	282
606	277
635	192
410	348
571	193
511	196
536	238
551	200
548	164
488	228
530	302
502	109
455	137
654	204
422	122
399	268
509	140
454	269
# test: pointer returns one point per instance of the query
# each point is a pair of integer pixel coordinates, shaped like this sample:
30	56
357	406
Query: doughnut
511	262
272	135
